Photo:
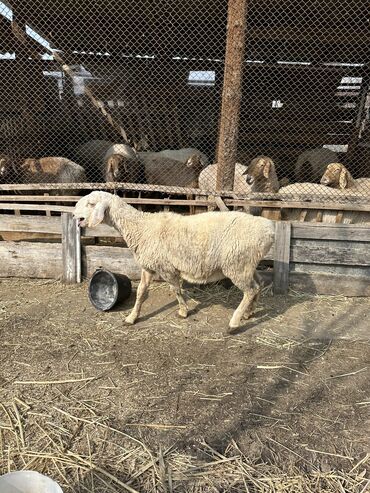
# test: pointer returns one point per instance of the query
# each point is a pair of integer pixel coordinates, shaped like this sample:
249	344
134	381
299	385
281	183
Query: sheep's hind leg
175	284
251	291
141	295
254	302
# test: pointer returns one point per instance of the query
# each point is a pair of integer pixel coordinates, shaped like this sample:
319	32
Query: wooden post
231	94
282	257
71	249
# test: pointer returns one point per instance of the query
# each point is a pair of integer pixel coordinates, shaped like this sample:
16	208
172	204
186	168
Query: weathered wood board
330	252
117	259
71	249
33	260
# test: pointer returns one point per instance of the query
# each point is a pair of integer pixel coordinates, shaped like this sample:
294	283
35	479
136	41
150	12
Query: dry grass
83	452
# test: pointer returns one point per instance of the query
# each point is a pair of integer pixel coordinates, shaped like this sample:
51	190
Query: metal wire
80	78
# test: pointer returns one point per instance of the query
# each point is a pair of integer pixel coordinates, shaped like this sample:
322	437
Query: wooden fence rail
321	258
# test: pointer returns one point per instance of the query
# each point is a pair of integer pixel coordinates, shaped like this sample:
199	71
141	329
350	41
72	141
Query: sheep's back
166	171
204	243
208	178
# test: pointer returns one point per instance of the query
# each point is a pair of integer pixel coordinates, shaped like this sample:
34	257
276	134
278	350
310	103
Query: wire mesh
129	91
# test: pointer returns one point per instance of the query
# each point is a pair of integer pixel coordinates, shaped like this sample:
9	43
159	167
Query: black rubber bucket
107	289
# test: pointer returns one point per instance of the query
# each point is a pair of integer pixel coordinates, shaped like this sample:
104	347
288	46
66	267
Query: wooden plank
33	260
7	236
348	270
330	252
330	284
323	231
270	213
39	198
35	207
355	202
272	204
129	200
71	247
102	186
281	257
220	204
103	230
32	224
287	204
116	259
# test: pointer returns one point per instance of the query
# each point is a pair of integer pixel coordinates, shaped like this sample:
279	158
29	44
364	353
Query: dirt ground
290	390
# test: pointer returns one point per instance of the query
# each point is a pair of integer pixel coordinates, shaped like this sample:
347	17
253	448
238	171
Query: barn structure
232	79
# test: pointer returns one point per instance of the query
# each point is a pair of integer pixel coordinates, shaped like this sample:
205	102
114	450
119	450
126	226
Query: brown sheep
262	174
43	170
337	176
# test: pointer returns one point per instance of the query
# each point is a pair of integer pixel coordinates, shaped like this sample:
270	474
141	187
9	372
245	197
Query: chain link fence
130	92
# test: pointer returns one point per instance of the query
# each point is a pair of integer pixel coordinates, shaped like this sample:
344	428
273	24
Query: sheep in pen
199	249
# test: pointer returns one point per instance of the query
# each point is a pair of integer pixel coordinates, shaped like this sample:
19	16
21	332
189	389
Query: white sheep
311	164
199	249
208	177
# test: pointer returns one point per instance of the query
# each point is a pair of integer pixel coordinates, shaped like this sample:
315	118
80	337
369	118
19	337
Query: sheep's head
6	167
196	163
119	168
90	210
261	168
337	176
142	144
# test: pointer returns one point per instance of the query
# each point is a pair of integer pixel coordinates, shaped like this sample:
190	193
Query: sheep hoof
233	328
130	320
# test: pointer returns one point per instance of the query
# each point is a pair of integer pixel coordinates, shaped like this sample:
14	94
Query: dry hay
83	452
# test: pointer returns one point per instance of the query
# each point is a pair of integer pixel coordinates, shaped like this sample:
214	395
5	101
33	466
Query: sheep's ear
343	179
109	165
266	169
97	215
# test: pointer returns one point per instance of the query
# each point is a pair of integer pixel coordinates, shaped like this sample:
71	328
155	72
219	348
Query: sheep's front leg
141	295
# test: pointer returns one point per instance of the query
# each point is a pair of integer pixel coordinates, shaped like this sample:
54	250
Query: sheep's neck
266	185
127	220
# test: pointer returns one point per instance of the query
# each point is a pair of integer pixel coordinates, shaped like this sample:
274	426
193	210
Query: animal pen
225	82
